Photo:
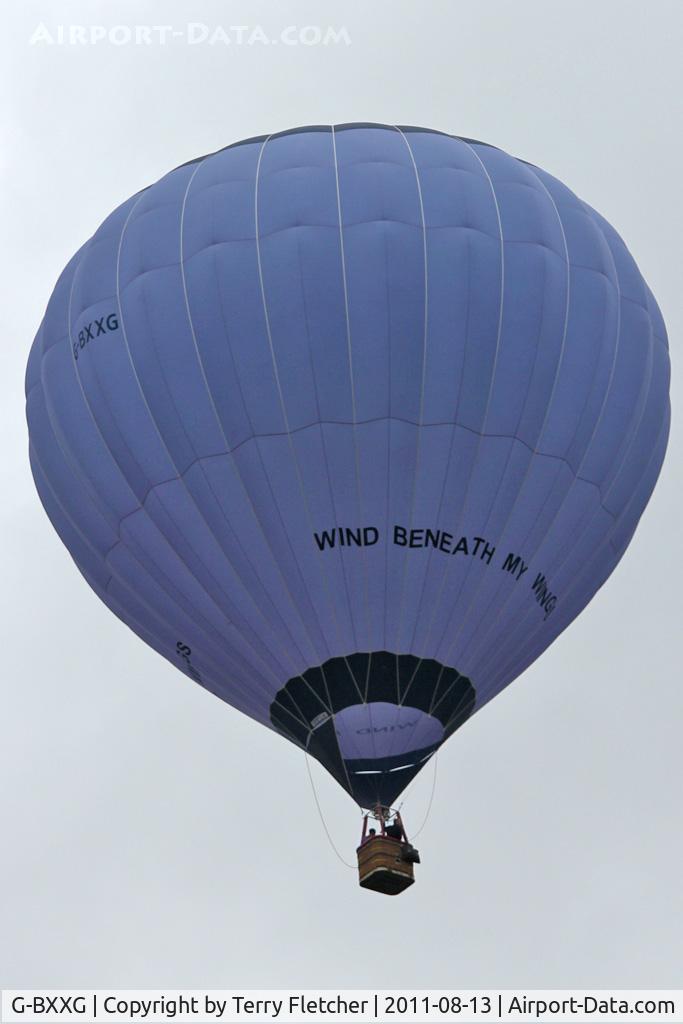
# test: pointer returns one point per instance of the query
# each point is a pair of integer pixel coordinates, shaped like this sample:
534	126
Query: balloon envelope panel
348	424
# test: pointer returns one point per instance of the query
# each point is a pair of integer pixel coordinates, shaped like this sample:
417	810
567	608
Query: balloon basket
386	859
382	866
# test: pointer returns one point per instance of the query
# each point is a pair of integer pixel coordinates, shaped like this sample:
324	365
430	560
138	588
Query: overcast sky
151	835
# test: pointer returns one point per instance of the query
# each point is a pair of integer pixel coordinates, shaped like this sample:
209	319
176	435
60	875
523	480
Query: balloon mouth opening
379	730
373	719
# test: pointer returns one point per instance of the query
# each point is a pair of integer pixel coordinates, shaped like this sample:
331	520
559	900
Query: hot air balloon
349	423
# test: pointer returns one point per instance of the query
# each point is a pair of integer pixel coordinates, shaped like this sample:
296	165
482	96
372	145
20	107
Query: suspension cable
431	801
322	817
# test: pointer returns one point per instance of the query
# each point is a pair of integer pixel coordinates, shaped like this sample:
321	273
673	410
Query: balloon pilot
386	858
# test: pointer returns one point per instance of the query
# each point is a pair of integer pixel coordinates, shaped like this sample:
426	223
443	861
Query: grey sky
130	856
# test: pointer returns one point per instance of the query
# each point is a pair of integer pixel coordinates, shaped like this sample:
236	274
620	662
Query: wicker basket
381	866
